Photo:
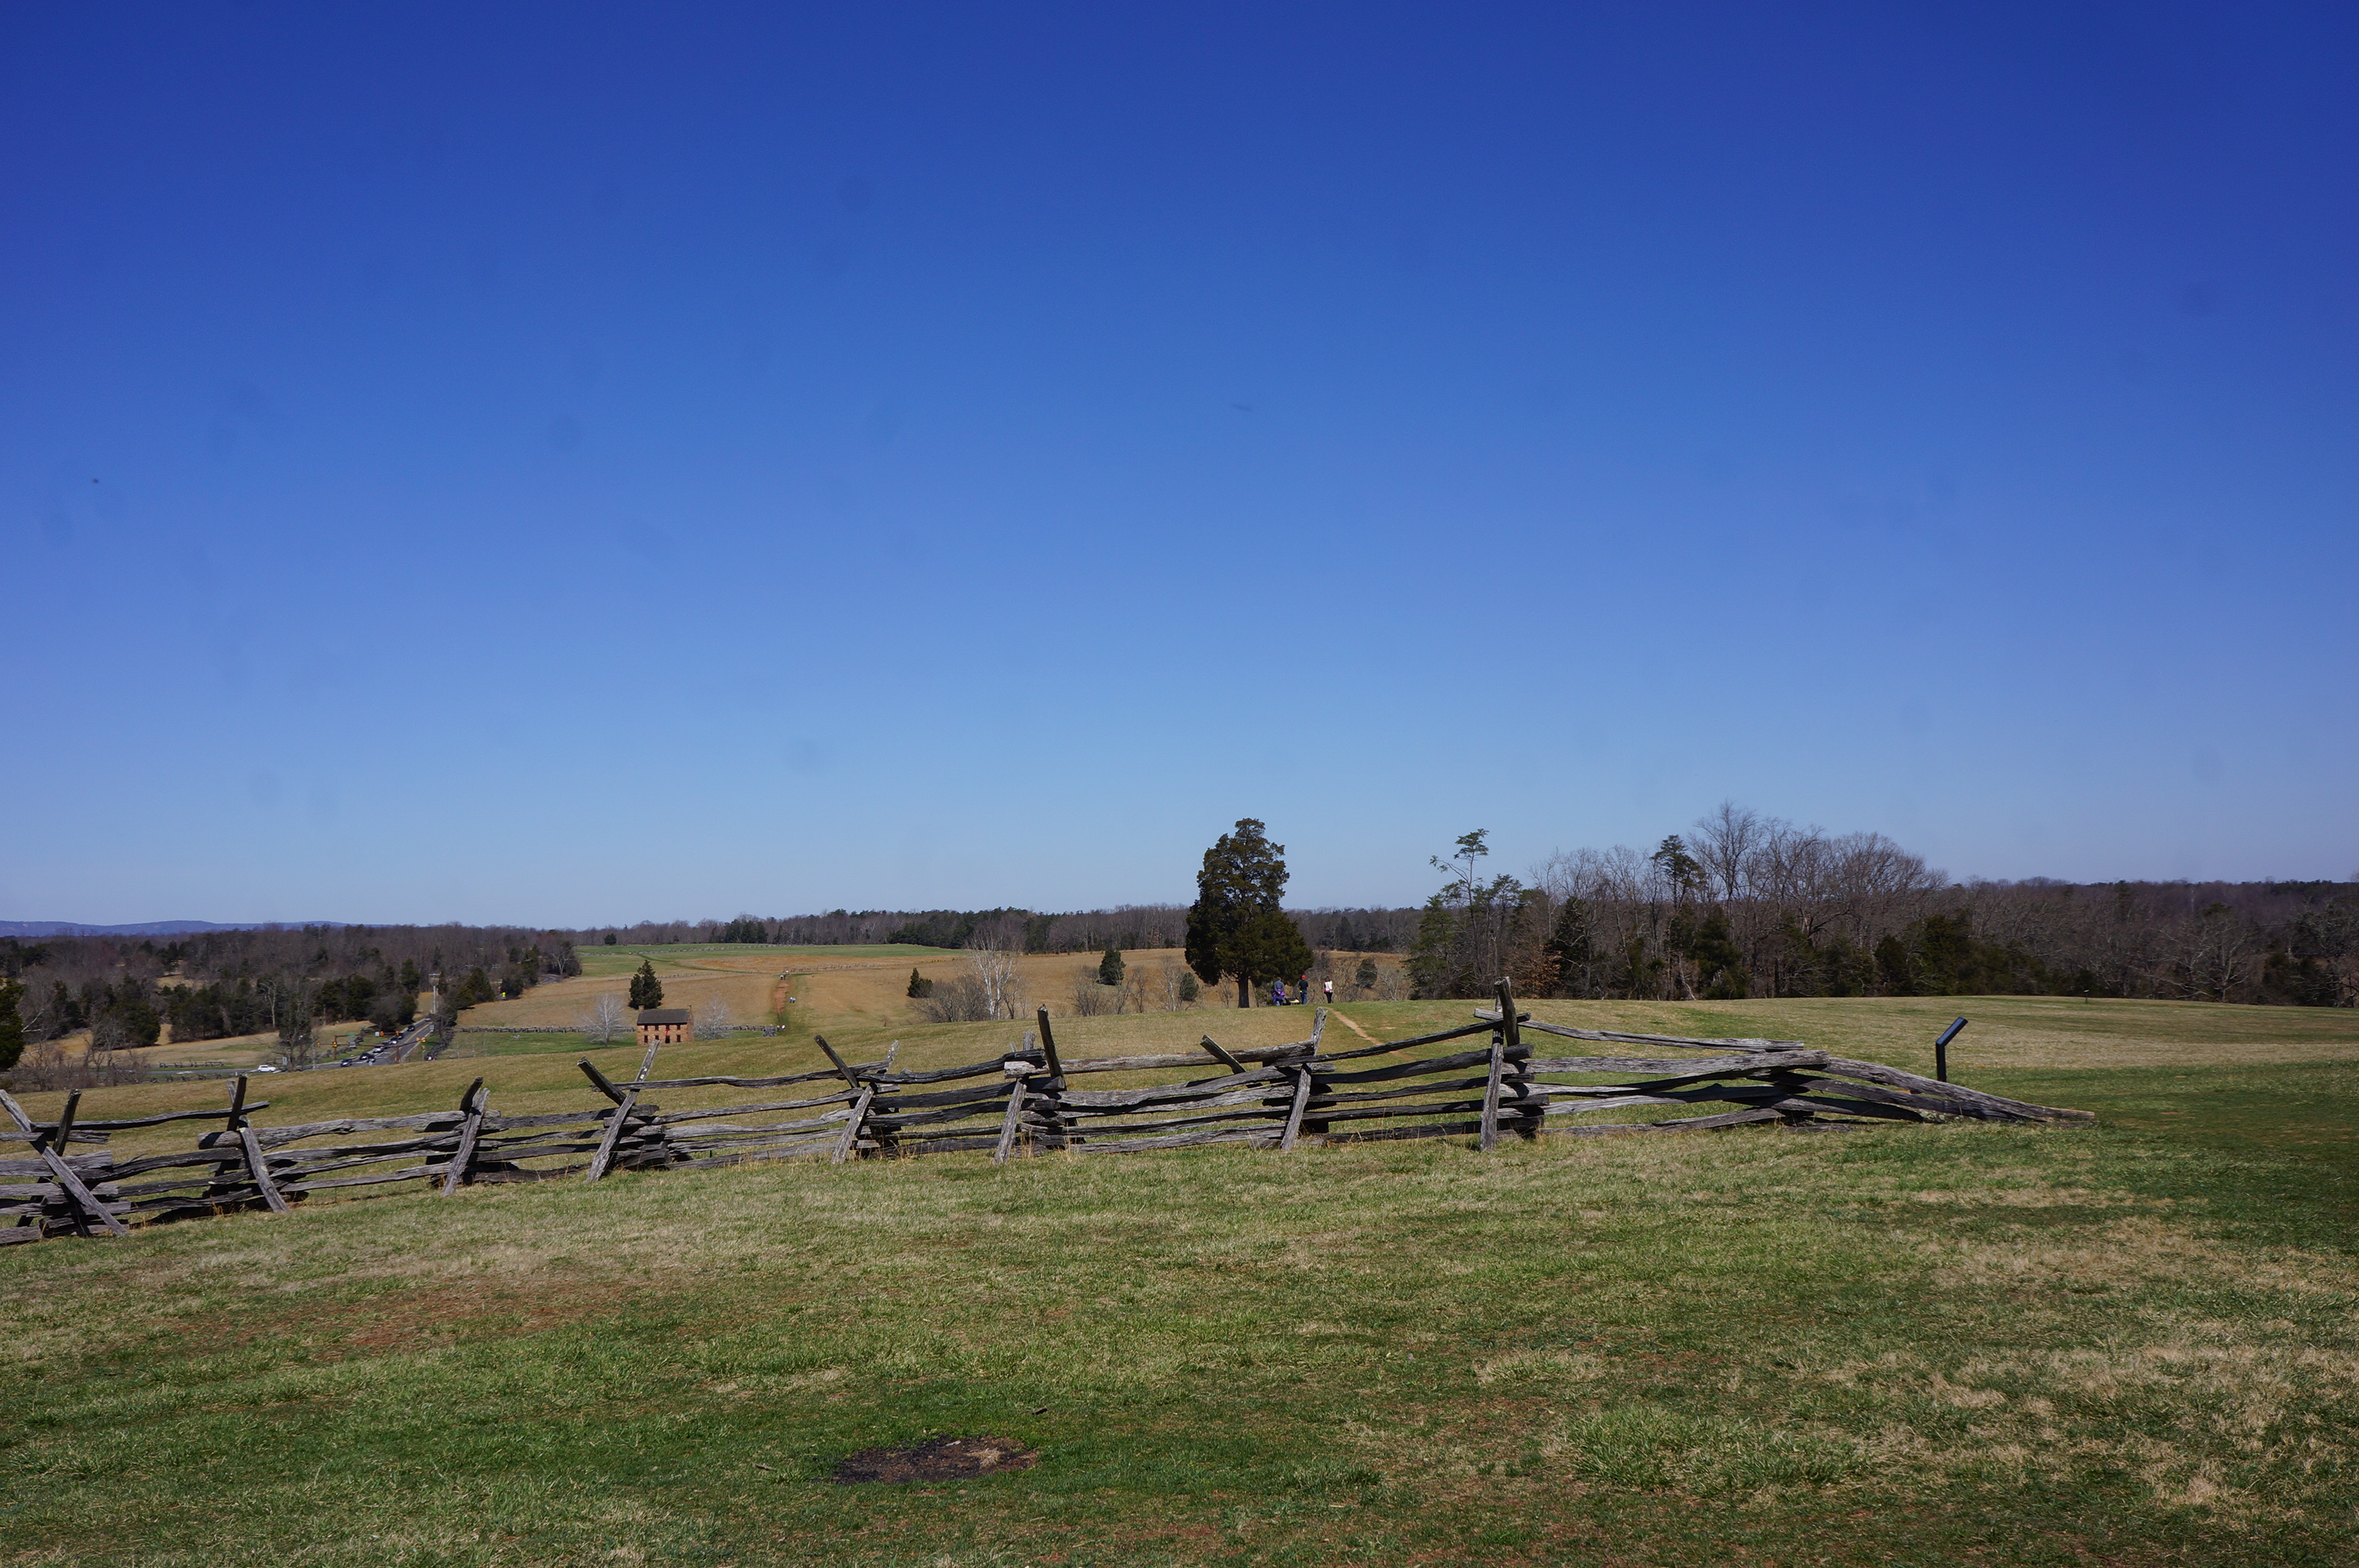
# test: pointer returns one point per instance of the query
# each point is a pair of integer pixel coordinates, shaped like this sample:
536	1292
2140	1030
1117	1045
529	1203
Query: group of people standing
1278	997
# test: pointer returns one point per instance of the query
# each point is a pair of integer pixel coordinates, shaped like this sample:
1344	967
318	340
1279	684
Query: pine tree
12	1024
1237	926
918	985
1110	967
1573	947
646	989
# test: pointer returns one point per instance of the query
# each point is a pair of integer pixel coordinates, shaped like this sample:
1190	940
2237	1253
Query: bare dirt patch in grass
936	1459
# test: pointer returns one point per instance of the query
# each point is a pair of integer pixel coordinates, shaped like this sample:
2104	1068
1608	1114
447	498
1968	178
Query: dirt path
1338	1013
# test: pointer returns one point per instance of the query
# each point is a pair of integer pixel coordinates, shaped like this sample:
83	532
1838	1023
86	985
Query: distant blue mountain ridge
150	928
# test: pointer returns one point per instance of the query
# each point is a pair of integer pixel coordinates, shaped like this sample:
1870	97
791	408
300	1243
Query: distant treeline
1741	905
1744	905
1128	927
215	984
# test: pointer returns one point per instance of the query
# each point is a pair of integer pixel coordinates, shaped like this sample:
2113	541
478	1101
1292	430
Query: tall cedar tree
646	989
12	1024
1237	926
1110	967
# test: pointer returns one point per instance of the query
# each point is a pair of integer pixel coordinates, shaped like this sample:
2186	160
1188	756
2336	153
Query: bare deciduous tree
714	1018
605	1017
958	999
296	1034
1724	843
1092	997
2219	943
993	961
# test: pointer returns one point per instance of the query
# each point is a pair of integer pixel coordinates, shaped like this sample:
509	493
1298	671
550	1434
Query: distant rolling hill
146	928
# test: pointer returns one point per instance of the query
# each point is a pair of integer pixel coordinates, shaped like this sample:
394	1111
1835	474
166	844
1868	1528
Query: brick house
665	1026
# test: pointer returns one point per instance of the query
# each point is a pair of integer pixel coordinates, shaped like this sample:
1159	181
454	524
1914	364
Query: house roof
663	1015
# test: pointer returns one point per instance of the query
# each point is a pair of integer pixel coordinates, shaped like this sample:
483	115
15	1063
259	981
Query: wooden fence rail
1018	1104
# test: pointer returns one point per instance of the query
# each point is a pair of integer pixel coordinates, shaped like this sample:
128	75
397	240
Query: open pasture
2131	1343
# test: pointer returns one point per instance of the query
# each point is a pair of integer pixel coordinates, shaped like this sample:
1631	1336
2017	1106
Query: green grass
2132	1344
539	1042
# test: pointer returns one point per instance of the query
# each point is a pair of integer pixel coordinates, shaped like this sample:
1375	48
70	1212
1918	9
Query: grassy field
2132	1345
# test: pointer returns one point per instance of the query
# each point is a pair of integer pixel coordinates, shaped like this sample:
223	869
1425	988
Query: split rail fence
1018	1104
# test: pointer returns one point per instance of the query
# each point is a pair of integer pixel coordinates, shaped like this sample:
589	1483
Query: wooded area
230	983
1741	907
1745	905
1018	1104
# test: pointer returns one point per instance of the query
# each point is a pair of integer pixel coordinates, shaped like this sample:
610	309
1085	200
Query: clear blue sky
585	464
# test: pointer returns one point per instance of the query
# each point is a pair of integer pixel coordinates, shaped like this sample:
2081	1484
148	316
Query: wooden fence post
852	1129
224	1190
1506	1037
841	1065
257	1164
472	1104
863	1094
1294	1117
1065	1137
1014	1120
1231	1063
602	1161
80	1195
1048	1045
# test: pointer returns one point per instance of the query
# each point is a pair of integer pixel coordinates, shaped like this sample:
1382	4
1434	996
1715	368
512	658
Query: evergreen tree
1432	957
918	985
1721	975
1573	947
1682	870
1110	967
1237	928
1365	977
646	989
12	1024
1895	971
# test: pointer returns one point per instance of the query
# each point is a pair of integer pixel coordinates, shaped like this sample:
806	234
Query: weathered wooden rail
1018	1104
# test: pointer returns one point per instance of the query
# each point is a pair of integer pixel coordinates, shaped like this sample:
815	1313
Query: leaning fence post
841	1065
603	1160
852	1129
1017	1070
257	1164
1048	1045
862	1095
464	1156
1294	1117
79	1195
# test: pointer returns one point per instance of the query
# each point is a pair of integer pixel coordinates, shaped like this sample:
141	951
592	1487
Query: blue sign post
1942	1050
